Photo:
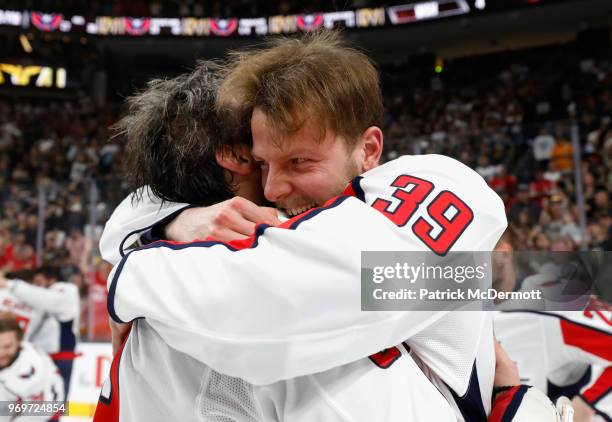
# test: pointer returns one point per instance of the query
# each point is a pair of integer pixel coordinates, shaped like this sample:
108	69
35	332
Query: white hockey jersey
60	302
286	303
565	352
130	219
152	382
31	377
31	320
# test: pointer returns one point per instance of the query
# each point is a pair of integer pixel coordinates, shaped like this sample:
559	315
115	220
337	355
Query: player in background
59	300
26	373
34	323
563	353
240	282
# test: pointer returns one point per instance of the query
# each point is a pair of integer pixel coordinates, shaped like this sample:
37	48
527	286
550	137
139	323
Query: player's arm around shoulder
147	219
133	217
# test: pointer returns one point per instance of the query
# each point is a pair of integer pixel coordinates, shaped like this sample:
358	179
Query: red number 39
450	213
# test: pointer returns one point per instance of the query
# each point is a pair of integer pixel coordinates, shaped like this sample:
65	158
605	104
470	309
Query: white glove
537	407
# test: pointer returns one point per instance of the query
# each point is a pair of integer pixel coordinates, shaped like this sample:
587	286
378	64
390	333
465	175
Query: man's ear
372	144
236	159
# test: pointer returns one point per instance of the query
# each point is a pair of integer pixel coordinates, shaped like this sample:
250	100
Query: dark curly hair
172	131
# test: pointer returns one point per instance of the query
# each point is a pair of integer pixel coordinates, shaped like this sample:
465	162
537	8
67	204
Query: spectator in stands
543	145
31	226
598	237
541	241
551	217
78	247
599	204
551	174
524	204
570	229
540	188
607	159
75	215
53	250
486	169
6	250
562	155
23	256
504	181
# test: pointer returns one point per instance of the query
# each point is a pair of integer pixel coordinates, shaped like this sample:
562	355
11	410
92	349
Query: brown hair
171	133
8	324
316	76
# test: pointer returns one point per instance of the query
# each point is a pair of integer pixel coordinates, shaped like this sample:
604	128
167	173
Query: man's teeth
295	211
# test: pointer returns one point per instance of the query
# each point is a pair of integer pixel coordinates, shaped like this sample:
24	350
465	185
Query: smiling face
303	171
314	104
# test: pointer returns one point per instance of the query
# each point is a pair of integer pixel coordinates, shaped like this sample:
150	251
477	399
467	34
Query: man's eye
298	160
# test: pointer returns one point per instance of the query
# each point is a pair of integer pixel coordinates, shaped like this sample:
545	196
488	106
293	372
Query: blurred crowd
58	183
510	117
60	176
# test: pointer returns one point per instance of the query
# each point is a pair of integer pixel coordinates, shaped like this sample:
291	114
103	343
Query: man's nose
276	186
